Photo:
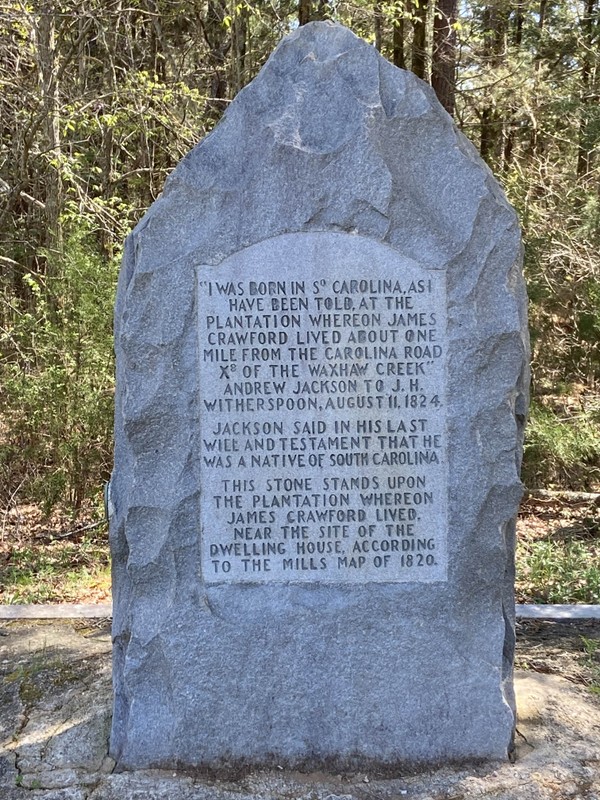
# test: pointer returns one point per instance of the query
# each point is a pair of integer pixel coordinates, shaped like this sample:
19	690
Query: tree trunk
537	60
398	57
378	21
542	14
517	35
219	44
517	40
443	66
304	11
239	33
49	89
419	55
586	143
495	27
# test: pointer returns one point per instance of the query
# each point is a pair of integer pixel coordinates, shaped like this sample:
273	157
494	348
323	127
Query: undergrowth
558	551
562	444
51	559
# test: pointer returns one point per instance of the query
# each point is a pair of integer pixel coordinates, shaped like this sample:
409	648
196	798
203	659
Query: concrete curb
104	610
56	611
566	612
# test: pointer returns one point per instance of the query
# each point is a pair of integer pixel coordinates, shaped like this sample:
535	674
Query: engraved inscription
322	440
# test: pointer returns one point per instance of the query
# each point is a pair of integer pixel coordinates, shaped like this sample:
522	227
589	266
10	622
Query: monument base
337	679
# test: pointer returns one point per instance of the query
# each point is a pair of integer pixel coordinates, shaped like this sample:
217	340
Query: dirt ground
55	696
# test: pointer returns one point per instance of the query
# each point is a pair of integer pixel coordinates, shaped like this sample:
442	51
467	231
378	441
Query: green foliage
55	572
562	447
562	236
57	378
101	102
561	571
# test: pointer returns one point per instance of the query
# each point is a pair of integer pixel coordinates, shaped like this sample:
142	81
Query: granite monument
322	372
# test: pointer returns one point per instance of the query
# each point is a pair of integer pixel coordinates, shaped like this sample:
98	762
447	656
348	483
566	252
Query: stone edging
56	611
566	612
104	610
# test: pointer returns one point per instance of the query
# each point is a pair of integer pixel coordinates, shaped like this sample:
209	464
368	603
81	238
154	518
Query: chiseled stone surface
328	139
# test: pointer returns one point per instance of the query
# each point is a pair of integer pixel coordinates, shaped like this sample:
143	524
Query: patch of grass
56	571
558	551
30	693
52	587
559	571
562	445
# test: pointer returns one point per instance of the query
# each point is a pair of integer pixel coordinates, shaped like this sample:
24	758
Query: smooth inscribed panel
322	409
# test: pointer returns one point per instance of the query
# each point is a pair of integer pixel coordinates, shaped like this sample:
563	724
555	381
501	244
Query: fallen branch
74	532
571	497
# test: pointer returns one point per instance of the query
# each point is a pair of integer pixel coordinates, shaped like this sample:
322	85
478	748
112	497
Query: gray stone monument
322	370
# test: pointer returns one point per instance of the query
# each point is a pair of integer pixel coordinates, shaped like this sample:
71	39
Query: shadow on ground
55	696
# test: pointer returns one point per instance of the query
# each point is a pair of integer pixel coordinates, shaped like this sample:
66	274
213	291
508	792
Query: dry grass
50	559
55	559
558	551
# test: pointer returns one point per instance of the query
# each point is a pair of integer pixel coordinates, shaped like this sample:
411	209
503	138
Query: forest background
99	100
